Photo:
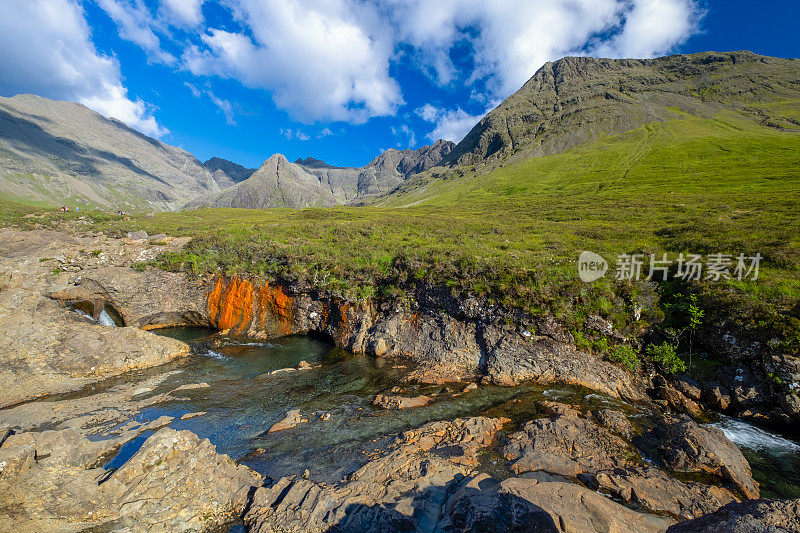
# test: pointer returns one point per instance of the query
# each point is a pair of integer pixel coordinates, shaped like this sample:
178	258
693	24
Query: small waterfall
105	319
746	435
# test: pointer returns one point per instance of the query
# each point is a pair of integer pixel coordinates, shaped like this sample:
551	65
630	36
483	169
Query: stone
174	482
598	324
470	387
567	445
188	416
137	235
752	516
684	446
401	402
616	421
718	396
658	493
293	419
689	387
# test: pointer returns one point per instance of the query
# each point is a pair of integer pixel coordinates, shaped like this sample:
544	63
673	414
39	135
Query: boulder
684	446
752	516
522	504
656	492
567	445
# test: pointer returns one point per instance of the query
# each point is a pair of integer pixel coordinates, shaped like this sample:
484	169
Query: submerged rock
401	402
292	419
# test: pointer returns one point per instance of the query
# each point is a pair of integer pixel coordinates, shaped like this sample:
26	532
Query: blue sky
341	80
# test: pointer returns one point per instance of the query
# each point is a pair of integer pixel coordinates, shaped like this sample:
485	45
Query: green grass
693	184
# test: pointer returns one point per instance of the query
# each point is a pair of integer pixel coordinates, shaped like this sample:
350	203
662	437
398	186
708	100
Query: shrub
664	355
625	356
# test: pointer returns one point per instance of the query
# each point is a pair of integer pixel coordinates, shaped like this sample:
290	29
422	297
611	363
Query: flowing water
244	399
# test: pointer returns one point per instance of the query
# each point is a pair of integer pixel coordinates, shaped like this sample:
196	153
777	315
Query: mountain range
55	152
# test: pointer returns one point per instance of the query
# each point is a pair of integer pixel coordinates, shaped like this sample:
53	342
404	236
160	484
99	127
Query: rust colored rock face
238	306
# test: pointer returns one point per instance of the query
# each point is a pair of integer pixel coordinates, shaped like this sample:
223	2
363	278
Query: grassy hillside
699	185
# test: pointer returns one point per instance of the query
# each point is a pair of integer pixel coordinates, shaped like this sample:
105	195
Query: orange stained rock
230	304
279	305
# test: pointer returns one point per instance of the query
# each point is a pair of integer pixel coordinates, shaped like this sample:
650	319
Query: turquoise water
244	400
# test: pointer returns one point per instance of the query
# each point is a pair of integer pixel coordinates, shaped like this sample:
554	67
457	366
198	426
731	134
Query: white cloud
135	24
294	134
184	12
223	105
653	27
326	132
451	124
197	93
320	60
513	38
405	135
61	61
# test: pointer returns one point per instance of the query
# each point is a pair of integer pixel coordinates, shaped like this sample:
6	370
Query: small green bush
581	342
625	356
664	355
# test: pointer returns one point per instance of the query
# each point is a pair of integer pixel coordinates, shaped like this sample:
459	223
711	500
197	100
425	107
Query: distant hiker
63	208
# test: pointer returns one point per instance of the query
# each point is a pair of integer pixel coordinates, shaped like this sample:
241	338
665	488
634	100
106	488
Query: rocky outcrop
459	345
47	348
412	479
753	516
52	481
568	445
527	504
426	482
448	347
684	446
656	492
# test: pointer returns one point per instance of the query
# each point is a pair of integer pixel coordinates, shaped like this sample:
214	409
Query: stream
244	398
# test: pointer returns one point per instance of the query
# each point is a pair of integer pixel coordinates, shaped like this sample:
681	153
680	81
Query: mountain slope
313	183
54	152
227	173
577	99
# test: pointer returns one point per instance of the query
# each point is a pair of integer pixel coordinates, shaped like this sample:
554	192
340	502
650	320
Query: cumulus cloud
450	124
135	24
511	39
184	12
61	61
320	60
